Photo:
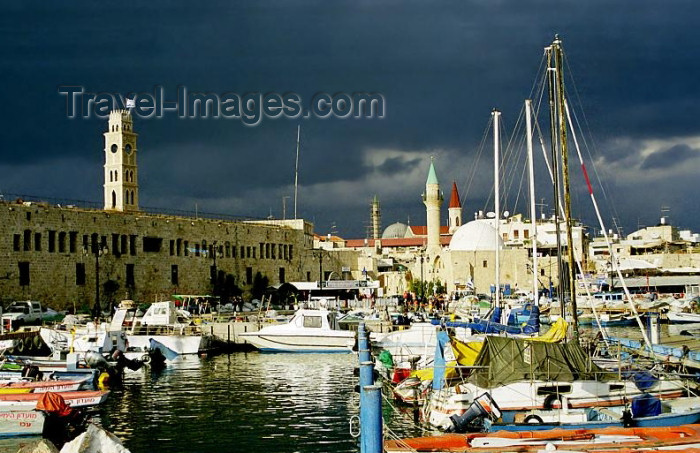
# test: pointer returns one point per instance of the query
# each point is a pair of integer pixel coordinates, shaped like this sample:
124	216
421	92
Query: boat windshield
312	322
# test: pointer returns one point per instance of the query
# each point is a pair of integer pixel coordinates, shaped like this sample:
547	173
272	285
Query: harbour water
239	402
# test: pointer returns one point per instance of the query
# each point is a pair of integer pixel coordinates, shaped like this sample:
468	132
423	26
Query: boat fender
20	346
103	380
533	419
37	342
552	401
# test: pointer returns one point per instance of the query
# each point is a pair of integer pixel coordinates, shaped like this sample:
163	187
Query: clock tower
121	188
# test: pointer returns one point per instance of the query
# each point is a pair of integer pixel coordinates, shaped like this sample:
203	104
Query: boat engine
482	407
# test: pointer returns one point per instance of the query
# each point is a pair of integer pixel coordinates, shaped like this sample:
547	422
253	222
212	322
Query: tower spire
432	198
454	209
121	188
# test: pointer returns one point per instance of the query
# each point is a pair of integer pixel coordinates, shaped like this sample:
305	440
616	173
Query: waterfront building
67	256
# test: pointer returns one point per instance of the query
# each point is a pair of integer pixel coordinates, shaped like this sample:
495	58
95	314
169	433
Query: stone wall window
115	244
132	244
124	241
130	280
262	250
27	240
174	277
172	247
291	247
73	241
281	275
86	241
80	274
249	275
178	247
227	249
37	242
272	250
485	263
52	241
196	249
186	246
62	242
526	234
242	252
308	276
516	234
16	239
23	273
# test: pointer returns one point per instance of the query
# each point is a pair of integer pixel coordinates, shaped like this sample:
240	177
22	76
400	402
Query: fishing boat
310	330
42	386
676	438
21	422
80	398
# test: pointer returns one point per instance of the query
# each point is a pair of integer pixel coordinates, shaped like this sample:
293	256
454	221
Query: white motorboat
162	322
679	317
310	330
80	339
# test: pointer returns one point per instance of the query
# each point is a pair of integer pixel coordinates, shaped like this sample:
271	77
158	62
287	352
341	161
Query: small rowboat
679	438
39	386
81	398
18	422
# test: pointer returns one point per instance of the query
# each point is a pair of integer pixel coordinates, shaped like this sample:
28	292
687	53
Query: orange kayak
684	438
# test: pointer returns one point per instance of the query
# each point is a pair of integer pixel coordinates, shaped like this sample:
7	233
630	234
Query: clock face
127	148
114	148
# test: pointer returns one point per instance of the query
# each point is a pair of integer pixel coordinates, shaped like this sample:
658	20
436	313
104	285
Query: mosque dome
395	231
476	235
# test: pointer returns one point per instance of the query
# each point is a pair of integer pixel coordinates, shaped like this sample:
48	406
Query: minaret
121	188
432	198
376	219
455	209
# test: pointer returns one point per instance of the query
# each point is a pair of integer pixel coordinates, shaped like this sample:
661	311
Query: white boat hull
181	344
301	342
21	423
675	317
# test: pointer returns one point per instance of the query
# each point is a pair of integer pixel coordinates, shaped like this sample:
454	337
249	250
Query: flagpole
296	173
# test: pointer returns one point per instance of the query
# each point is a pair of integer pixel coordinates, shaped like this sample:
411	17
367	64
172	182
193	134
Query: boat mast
559	63
497	203
551	82
296	172
533	213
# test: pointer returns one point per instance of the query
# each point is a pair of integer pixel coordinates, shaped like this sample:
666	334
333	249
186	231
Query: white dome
395	231
476	235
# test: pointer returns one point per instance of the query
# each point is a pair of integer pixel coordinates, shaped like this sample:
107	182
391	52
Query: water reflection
275	402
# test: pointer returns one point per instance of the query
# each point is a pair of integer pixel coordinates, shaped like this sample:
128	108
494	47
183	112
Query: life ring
533	419
146	358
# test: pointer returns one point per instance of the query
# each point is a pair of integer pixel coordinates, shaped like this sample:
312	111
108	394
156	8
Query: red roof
419	230
454	198
398	242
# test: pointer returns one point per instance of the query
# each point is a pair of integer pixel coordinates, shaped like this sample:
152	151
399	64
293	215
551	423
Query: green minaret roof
432	177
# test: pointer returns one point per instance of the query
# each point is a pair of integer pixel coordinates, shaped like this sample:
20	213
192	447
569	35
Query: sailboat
519	374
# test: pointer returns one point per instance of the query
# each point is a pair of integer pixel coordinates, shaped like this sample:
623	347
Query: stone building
62	255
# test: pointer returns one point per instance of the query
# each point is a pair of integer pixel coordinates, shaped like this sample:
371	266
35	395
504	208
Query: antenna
296	172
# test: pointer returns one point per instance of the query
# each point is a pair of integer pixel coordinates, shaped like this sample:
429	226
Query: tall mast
533	213
551	84
296	173
497	203
559	57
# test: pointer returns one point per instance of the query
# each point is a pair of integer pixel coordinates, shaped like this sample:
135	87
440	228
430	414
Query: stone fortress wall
47	254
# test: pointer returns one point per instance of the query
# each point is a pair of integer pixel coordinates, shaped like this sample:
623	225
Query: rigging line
480	151
613	257
608	198
515	143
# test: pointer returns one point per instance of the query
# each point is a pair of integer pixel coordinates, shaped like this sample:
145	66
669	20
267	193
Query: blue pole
366	374
363	343
371	435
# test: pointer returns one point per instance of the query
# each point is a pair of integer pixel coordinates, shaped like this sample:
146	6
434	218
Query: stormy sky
441	67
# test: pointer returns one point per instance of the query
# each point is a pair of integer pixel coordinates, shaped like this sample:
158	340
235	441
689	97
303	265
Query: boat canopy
507	360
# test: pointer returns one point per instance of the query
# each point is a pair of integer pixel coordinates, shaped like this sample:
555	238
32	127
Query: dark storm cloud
441	68
396	165
675	156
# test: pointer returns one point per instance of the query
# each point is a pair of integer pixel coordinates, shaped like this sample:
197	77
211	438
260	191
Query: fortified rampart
50	253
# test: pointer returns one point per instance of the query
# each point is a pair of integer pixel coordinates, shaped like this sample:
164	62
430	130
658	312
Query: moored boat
676	438
310	330
80	398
